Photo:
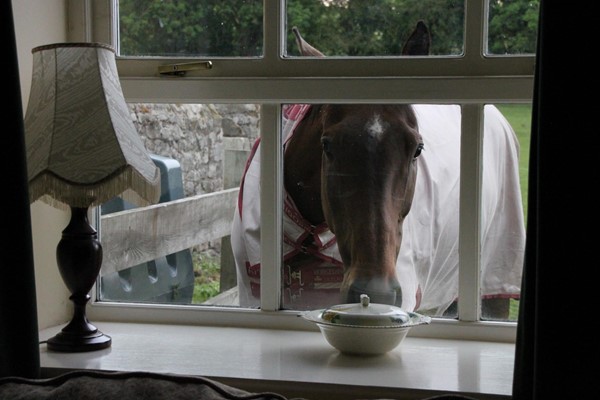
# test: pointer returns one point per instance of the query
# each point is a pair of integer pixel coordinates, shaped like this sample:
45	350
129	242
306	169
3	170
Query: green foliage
204	292
207	277
190	27
513	26
367	28
337	27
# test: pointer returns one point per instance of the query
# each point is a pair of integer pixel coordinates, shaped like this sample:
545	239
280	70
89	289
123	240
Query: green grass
513	310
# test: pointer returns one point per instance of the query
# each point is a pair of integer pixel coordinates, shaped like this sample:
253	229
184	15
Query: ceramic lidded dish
364	328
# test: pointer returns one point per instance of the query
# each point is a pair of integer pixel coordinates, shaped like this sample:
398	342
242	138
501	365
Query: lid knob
364	300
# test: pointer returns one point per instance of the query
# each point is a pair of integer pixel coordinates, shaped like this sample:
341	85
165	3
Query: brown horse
362	185
351	178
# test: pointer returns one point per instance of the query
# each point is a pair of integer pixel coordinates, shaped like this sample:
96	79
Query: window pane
201	149
512	26
374	28
191	28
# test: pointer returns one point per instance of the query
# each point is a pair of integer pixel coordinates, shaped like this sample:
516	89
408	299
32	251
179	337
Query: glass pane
191	28
512	26
374	28
504	212
201	150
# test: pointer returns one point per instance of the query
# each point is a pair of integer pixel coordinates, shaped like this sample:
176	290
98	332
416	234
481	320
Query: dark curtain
19	349
557	334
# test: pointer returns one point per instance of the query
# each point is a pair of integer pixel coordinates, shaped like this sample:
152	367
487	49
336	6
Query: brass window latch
182	68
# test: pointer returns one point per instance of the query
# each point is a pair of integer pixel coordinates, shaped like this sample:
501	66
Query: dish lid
365	314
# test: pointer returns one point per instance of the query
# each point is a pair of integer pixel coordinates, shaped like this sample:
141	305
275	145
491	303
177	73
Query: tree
513	26
233	28
190	28
367	28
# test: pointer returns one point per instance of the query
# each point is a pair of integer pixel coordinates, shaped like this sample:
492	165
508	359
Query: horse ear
305	48
419	41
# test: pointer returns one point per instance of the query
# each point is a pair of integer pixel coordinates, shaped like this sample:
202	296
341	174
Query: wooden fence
135	236
138	235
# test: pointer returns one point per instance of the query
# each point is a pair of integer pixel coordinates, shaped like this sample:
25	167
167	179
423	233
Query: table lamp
82	150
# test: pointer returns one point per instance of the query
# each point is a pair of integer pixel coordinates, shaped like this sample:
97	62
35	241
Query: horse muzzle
378	292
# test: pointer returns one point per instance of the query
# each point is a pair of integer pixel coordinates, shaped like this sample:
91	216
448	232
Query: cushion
96	385
101	385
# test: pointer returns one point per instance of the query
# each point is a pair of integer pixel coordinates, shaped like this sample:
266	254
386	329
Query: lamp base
78	342
79	257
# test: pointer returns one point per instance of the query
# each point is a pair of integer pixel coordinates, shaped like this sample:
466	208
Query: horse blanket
427	265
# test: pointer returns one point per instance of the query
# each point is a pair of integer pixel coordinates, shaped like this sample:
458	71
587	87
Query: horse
371	205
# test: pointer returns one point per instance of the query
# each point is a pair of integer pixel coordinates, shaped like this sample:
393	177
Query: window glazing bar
469	247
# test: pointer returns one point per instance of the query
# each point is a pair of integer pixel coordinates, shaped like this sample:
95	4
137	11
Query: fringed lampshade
82	150
82	146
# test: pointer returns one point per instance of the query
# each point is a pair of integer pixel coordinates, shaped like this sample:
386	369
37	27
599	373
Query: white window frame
471	80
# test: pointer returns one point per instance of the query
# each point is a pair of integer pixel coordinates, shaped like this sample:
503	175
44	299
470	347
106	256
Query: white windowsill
296	363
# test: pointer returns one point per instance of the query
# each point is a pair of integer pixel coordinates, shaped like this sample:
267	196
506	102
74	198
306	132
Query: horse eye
326	145
420	148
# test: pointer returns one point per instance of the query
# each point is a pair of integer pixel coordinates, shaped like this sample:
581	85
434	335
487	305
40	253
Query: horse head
361	182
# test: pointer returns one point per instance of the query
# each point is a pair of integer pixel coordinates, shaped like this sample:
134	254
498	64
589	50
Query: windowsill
296	363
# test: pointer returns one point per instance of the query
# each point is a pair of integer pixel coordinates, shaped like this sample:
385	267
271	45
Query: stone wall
193	134
198	137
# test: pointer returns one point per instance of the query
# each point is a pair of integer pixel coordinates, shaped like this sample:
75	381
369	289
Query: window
249	83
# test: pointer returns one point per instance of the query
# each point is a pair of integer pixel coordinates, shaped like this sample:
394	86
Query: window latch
182	68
